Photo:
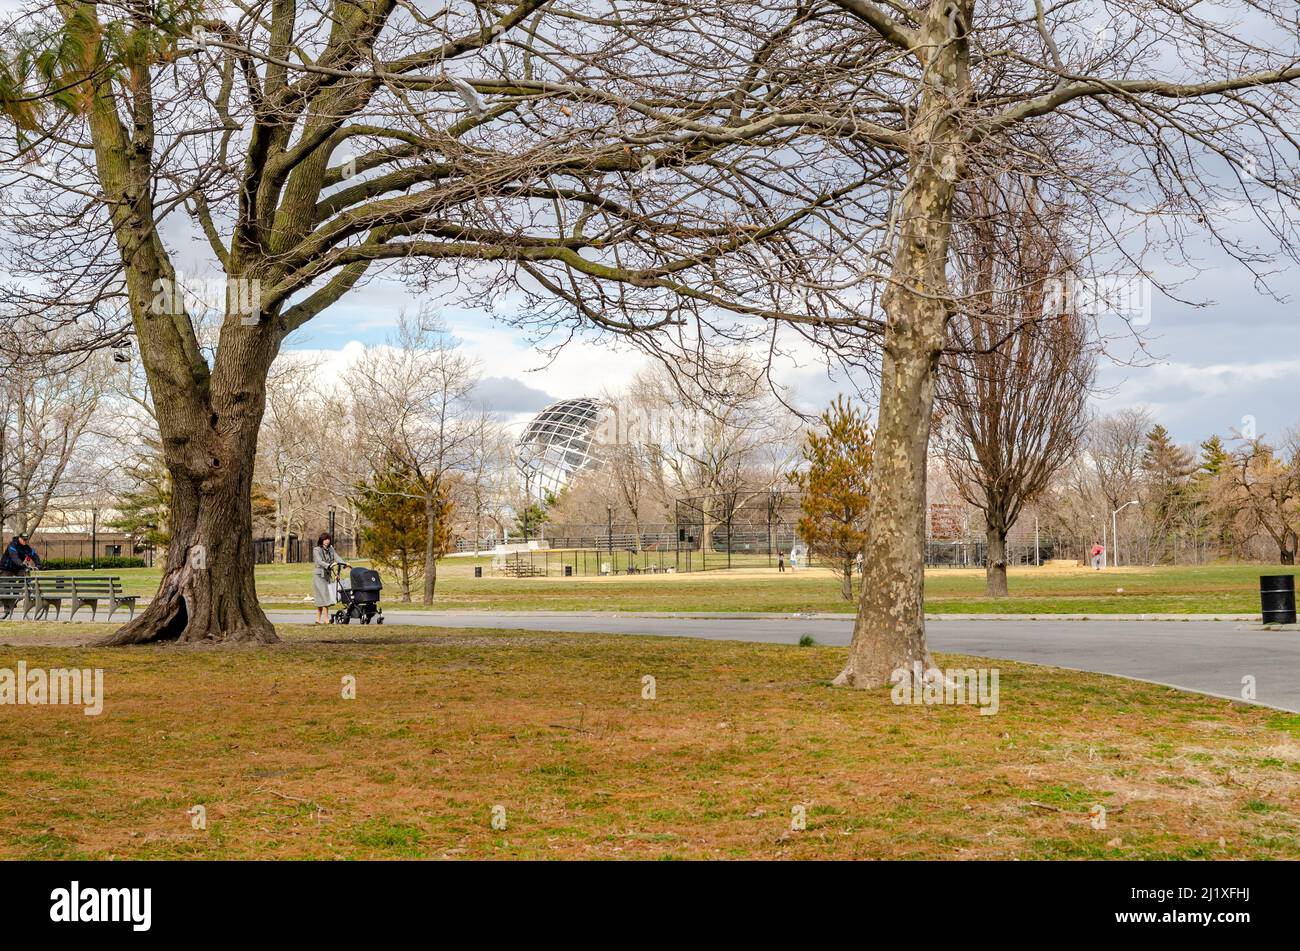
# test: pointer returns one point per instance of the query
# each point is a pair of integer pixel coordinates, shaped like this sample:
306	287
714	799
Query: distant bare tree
414	406
46	423
1115	450
1015	383
288	442
1263	483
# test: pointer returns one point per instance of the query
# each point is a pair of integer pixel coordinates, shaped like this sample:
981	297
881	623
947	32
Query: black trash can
1277	598
478	571
568	571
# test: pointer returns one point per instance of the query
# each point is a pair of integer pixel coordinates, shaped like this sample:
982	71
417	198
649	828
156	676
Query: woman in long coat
323	559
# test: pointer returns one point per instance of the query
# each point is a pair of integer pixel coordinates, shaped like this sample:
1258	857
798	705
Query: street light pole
1114	530
94	536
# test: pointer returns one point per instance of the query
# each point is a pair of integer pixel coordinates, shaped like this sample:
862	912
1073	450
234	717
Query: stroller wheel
365	620
380	619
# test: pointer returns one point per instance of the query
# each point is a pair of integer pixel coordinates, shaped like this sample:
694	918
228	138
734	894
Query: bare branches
897	33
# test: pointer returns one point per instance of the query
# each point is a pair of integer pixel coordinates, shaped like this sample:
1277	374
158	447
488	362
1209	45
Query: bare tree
288	443
1264	485
1013	390
620	166
1115	448
46	424
414	405
990	89
720	433
484	486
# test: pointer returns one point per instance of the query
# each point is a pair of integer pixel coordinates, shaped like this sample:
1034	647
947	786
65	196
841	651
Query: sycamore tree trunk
995	568
889	633
430	545
995	571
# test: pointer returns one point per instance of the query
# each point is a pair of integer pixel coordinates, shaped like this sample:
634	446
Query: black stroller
360	599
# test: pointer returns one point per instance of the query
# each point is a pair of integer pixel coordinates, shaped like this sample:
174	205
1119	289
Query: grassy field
1199	590
447	724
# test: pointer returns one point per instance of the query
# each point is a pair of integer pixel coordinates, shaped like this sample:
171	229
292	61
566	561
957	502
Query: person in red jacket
1098	556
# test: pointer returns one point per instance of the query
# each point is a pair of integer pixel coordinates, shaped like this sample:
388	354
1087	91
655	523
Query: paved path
1205	656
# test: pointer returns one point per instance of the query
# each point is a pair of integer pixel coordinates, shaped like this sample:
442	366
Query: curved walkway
1205	656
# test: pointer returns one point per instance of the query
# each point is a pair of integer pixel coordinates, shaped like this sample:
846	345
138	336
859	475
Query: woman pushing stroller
324	561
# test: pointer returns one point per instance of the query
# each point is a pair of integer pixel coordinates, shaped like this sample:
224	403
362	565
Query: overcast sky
1205	369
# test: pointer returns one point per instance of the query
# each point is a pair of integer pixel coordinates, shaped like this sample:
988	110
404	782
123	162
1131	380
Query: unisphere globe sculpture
559	443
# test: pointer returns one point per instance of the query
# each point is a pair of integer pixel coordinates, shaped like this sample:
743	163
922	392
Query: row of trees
1235	498
722	436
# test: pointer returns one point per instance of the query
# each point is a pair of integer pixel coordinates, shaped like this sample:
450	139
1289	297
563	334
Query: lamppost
609	530
1114	530
94	536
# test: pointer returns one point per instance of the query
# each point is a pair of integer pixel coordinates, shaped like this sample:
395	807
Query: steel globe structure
558	444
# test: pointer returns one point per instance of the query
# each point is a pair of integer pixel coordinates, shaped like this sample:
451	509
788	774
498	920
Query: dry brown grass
448	723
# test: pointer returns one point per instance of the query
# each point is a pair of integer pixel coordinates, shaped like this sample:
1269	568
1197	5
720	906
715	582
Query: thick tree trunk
209	422
889	634
995	576
207	591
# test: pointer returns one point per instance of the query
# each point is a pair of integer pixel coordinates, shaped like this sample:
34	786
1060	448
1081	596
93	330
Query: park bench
40	593
13	590
88	592
50	592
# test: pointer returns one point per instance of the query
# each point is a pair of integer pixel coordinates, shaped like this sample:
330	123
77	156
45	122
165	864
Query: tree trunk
846	582
430	548
995	577
207	591
889	634
208	420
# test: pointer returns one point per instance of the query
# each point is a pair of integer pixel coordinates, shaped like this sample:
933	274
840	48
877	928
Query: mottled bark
431	528
889	634
995	571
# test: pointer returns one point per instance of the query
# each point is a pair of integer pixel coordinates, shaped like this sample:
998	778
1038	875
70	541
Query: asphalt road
1204	656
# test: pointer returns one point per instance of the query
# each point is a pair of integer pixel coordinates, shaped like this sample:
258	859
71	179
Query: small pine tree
1168	467
144	511
834	484
393	508
529	522
1214	457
